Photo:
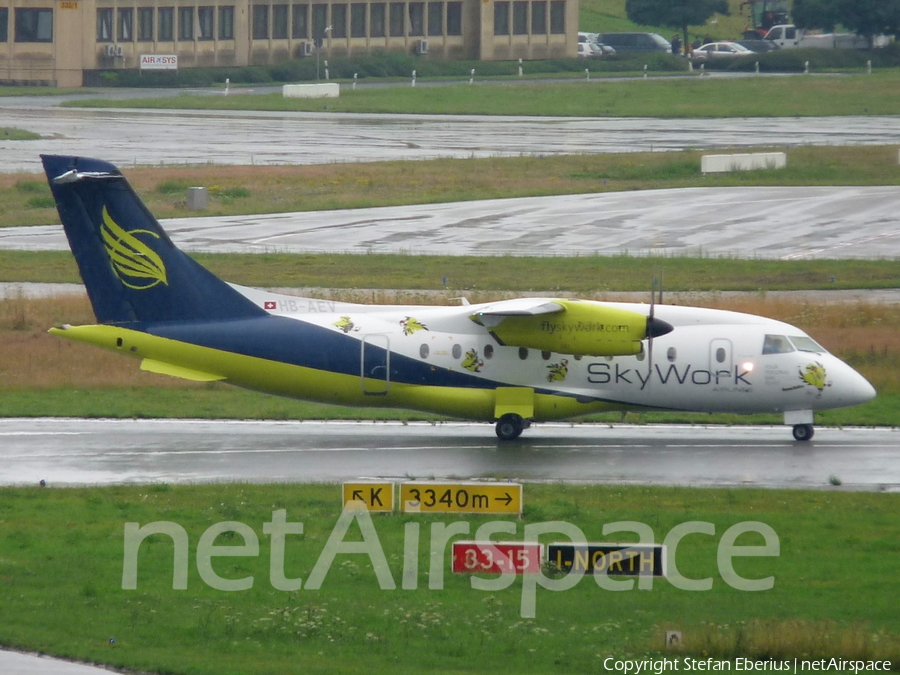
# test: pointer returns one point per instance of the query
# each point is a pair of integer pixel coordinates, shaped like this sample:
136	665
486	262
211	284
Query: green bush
171	187
41	202
33	187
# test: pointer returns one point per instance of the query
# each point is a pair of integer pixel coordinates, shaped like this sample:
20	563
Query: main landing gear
510	426
803	432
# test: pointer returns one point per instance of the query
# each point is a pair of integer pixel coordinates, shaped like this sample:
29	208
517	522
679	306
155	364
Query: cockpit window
777	344
806	344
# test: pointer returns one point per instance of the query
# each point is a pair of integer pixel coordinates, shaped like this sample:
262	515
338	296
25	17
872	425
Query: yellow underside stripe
180	359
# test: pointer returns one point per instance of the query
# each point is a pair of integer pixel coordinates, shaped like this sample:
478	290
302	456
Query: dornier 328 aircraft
510	362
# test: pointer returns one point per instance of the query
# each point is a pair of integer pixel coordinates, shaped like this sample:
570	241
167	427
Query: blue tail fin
131	269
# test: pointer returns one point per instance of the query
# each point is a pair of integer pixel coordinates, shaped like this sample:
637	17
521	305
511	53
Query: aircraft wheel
803	432
510	426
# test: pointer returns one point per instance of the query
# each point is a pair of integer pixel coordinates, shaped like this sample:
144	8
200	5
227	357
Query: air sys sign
159	62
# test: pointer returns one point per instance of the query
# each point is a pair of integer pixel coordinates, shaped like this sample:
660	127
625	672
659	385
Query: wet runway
129	137
72	452
757	222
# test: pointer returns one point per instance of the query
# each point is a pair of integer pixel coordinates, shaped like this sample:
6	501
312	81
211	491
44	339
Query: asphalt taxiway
748	222
178	137
100	452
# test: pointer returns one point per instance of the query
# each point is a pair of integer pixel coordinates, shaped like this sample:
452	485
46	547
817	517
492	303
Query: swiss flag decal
270	305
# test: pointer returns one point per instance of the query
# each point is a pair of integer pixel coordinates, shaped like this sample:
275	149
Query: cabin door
375	364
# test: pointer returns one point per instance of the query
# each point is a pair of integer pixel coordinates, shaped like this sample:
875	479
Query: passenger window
720	355
671	354
488	351
523	353
776	344
423	351
456	351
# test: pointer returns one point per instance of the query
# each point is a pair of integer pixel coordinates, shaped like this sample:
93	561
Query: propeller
655	327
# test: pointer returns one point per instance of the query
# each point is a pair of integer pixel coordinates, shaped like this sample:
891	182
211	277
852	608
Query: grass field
877	94
25	199
830	596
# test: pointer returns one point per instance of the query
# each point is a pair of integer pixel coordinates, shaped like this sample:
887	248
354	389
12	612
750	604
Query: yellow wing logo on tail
135	263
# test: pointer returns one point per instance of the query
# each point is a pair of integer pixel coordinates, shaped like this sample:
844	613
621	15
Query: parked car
589	50
720	50
591	38
636	42
758	46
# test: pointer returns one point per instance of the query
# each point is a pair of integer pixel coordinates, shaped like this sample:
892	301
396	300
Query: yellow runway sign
378	497
461	497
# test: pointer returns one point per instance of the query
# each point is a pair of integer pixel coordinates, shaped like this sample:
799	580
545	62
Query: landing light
747	366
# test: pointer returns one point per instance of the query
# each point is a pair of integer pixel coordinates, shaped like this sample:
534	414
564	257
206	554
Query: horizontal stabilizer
178	371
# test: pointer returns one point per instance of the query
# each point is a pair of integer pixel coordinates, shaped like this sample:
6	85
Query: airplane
510	362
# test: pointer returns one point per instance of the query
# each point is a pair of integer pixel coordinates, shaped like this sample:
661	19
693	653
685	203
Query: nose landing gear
803	432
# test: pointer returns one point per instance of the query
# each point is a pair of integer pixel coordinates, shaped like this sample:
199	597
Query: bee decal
558	371
814	375
345	324
472	362
411	325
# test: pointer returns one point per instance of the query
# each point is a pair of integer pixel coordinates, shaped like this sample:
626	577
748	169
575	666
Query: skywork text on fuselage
614	373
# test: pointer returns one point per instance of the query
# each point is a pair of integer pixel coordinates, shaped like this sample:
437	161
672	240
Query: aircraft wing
569	326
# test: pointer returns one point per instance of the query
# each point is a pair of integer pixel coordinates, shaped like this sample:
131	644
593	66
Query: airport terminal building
56	41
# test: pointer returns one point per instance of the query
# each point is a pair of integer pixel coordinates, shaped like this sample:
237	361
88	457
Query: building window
126	24
339	21
104	25
538	18
145	24
501	18
34	25
435	18
397	19
358	20
4	24
206	17
300	23
520	18
376	14
280	22
558	17
185	23
226	23
320	22
454	18
417	18
260	22
166	17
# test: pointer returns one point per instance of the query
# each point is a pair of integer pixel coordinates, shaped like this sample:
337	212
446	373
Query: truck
762	15
788	36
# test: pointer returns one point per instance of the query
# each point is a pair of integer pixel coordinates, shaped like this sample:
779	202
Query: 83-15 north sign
461	498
